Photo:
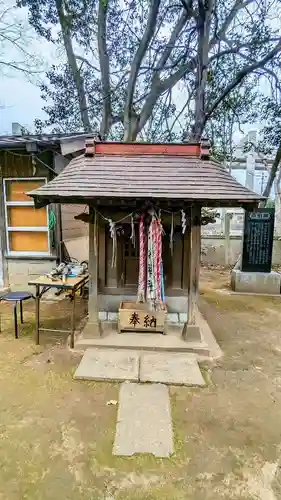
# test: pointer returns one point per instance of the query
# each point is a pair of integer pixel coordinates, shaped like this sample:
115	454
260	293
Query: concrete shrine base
197	339
261	283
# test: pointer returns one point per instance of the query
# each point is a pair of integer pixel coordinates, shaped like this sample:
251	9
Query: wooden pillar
102	256
93	326
59	163
227	220
4	275
192	270
58	232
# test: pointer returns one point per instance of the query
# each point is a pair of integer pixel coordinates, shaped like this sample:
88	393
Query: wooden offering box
135	317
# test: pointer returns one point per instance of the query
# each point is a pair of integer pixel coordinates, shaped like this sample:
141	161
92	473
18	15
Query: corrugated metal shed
145	177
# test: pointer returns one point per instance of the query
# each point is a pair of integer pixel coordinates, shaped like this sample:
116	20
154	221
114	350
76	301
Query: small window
26	227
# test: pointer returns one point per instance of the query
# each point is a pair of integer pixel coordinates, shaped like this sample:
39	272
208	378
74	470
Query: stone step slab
98	364
144	422
165	368
174	369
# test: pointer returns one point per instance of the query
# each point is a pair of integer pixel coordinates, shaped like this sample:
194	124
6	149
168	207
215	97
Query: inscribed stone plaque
258	240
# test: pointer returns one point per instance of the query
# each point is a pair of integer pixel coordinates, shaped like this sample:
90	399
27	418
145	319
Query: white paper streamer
183	221
133	236
112	230
172	234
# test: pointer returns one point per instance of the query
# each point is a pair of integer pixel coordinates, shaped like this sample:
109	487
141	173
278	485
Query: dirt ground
57	433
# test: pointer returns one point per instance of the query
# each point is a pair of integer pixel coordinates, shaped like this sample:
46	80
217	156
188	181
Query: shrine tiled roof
174	174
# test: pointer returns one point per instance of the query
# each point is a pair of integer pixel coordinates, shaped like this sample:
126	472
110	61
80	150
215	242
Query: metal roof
20	141
144	177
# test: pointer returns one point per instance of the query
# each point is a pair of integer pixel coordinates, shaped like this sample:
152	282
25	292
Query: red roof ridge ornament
95	146
90	146
205	149
134	149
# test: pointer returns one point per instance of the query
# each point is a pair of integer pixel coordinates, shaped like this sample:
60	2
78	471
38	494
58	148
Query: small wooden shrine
143	203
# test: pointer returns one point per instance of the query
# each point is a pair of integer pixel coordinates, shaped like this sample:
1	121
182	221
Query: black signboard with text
258	240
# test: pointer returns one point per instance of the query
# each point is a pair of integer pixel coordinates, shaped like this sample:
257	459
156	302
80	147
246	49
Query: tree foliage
153	69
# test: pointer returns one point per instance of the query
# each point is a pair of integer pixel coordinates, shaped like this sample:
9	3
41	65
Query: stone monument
255	275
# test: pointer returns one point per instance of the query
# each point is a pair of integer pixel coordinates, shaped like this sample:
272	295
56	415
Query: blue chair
17	297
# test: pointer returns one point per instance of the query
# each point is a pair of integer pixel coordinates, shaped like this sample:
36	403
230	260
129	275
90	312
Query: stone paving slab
175	369
97	364
144	421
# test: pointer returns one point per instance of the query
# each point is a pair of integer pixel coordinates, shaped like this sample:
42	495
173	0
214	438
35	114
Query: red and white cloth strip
158	257
142	262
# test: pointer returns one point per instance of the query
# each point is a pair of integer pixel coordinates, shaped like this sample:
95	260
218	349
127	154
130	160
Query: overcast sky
22	104
20	99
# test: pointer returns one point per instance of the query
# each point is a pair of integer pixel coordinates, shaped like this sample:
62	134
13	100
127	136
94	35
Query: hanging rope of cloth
155	278
142	262
158	259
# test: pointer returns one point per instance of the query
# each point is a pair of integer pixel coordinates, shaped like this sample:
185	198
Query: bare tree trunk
78	80
205	10
104	68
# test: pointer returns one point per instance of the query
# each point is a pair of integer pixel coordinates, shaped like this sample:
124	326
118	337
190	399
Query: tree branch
176	119
273	173
136	63
87	62
191	64
78	80
158	87
238	5
241	75
17	66
186	14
